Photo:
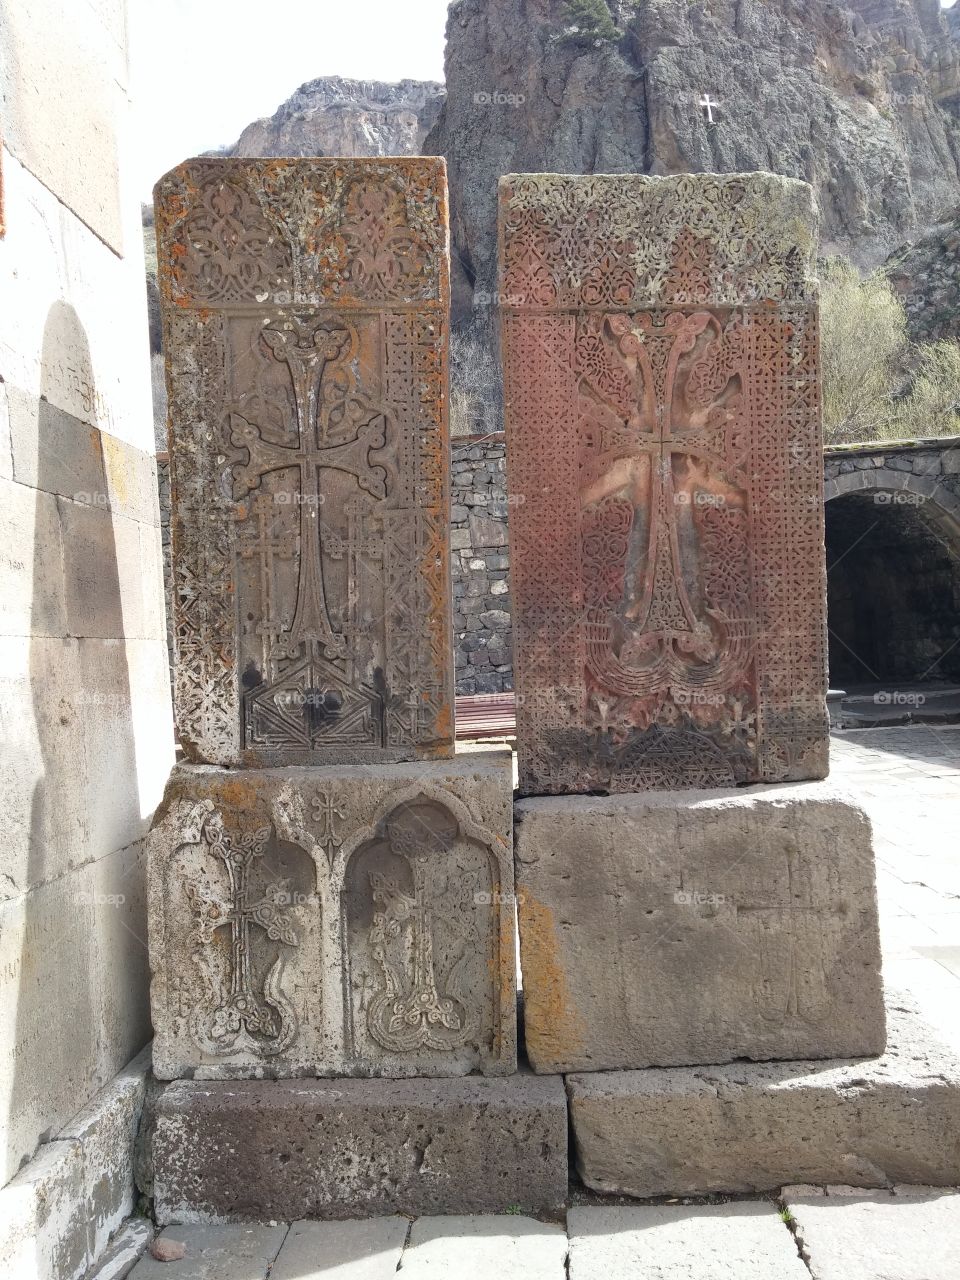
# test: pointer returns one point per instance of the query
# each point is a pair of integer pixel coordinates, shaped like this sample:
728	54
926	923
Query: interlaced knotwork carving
668	592
305	305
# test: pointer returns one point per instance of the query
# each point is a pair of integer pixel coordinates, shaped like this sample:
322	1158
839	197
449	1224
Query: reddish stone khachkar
664	461
305	307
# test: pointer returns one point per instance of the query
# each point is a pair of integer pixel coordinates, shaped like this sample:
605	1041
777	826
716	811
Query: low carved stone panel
664	460
357	921
305	307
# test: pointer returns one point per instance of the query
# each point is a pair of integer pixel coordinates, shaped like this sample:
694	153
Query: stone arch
893	578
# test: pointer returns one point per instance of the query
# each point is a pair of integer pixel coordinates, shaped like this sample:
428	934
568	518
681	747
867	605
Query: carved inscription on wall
663	415
305	310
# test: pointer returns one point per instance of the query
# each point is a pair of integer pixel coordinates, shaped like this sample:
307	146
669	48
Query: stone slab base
58	1213
283	1150
757	1127
670	929
350	921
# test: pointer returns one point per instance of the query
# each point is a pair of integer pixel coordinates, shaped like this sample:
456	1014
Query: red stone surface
664	466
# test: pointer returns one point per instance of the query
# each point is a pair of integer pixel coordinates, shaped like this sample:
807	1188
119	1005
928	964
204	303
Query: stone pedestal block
355	921
358	1148
680	928
755	1127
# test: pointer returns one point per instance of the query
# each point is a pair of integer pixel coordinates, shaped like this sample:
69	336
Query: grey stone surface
689	1242
367	1249
43	1225
670	929
744	1127
495	1247
124	1251
217	1253
106	1130
264	1150
384	942
911	1233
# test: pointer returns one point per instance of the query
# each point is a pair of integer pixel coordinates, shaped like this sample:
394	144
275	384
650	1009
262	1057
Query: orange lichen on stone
554	1028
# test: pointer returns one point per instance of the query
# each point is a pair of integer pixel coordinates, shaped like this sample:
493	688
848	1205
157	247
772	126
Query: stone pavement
909	781
909	1234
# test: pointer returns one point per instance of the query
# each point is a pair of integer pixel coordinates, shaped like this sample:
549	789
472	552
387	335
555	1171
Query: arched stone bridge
893	561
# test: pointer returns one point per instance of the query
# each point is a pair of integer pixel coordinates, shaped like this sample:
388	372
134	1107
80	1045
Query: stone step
224	1151
751	1127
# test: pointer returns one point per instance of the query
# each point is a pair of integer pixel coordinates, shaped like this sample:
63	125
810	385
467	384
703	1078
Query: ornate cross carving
264	1020
646	631
335	429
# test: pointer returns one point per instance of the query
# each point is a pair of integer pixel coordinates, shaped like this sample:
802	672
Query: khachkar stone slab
262	1150
305	307
357	921
760	1126
664	462
688	927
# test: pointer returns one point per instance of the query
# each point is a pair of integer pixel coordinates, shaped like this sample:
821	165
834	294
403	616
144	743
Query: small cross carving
707	104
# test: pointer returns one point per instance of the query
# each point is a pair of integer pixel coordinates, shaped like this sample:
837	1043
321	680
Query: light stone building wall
85	718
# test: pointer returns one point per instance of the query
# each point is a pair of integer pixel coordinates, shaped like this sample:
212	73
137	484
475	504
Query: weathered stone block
756	1127
43	1225
675	928
354	921
305	329
266	1150
664	425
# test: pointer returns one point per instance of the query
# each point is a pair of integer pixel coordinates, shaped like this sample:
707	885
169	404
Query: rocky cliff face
336	117
861	98
926	274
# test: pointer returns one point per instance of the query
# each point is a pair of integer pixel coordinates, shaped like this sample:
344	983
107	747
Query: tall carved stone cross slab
305	308
664	458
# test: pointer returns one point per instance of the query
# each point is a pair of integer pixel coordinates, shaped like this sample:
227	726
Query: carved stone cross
309	350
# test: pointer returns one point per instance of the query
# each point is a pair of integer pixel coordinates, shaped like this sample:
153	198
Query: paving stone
357	1148
495	1247
216	1253
368	1249
311	580
752	917
745	1241
658	645
912	1234
380	886
757	1127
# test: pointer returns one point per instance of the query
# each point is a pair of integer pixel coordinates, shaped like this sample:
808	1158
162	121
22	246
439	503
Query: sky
203	69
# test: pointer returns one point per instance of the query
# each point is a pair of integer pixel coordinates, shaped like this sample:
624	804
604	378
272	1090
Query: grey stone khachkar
331	890
661	367
305	307
354	921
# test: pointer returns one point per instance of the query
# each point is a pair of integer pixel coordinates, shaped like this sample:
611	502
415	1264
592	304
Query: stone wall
481	563
85	703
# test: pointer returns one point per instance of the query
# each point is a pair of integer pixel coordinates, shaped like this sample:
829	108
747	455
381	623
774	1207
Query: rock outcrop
926	274
861	98
336	117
